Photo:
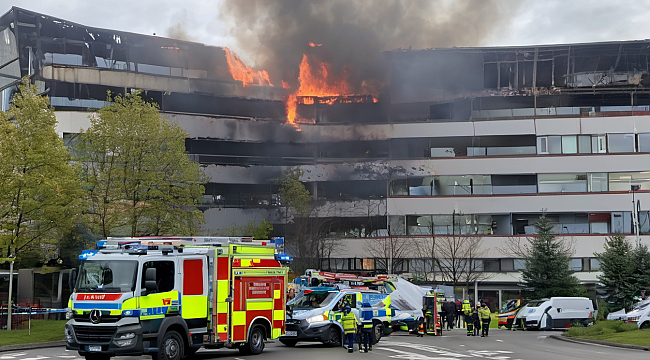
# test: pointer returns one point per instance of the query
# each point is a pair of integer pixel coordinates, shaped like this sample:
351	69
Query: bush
606	327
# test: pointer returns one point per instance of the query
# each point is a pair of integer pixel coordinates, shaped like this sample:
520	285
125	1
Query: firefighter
365	330
450	309
349	322
467	311
484	314
421	325
476	320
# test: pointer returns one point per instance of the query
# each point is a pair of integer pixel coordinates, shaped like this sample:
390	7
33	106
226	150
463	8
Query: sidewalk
46	344
599	342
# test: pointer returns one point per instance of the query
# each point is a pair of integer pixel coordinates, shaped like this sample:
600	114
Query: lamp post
635	212
11	287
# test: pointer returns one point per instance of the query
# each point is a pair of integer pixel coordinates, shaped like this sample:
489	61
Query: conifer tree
547	271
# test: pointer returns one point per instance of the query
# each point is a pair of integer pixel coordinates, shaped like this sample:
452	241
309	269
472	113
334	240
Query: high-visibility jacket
349	323
467	307
484	313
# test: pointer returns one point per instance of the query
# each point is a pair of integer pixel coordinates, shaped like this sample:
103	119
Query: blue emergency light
87	253
283	257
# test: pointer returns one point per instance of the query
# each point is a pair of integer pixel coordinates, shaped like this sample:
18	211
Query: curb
599	342
41	345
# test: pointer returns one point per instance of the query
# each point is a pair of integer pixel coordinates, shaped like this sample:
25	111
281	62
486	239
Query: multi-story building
462	143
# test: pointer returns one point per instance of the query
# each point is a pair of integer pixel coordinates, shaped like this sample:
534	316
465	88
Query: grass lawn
42	330
613	331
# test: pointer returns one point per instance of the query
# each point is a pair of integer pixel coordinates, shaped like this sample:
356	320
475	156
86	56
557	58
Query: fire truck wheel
377	332
97	357
289	343
255	343
333	337
171	347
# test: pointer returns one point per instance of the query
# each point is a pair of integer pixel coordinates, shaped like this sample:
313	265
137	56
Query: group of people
477	318
352	326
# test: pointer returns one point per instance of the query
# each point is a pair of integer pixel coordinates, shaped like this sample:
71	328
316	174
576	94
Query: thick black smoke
354	33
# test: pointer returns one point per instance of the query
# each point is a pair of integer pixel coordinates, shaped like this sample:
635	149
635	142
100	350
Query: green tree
293	193
138	176
547	271
40	193
618	268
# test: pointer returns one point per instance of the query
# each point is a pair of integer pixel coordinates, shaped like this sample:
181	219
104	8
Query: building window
594	264
598	144
597	182
491	265
542	145
621	143
644	142
520	264
558	183
554	144
576	264
584	144
569	144
507	264
623	181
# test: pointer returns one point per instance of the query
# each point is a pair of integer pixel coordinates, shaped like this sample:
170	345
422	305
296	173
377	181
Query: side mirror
150	280
72	279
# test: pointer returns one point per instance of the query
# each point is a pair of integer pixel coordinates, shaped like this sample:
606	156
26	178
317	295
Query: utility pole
11	287
635	213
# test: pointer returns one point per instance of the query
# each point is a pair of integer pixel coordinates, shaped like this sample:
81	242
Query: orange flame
244	73
285	85
314	45
314	82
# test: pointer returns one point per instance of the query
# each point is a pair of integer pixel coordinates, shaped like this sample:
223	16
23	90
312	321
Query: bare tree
395	249
457	259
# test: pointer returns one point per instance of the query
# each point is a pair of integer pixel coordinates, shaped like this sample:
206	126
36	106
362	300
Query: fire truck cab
167	297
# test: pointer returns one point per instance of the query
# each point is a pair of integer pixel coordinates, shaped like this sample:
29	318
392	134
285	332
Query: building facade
462	143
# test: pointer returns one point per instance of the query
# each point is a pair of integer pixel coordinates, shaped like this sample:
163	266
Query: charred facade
460	141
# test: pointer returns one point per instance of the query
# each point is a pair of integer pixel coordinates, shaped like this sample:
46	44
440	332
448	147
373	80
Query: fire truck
168	297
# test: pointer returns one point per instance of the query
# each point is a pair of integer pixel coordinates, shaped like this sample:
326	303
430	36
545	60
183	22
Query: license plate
94	348
291	333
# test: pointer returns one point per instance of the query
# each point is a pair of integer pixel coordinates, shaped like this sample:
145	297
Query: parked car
558	313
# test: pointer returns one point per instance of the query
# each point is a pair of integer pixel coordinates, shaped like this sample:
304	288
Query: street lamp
635	212
11	287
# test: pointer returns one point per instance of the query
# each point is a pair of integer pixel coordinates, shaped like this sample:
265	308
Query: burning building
467	141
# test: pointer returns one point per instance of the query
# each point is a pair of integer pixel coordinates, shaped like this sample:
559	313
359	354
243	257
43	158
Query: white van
558	313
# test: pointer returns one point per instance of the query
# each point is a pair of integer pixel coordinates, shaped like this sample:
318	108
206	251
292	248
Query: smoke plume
354	33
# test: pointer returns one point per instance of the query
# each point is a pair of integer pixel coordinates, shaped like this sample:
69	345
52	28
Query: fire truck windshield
314	299
107	276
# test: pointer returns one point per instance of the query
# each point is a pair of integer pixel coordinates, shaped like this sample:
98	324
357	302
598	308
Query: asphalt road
501	344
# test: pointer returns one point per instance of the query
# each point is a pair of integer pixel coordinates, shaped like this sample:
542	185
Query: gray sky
533	22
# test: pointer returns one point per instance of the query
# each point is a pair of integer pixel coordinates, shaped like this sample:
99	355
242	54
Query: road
501	345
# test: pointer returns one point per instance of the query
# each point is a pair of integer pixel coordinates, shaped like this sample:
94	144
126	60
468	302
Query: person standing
349	322
484	314
467	312
476	321
450	310
365	330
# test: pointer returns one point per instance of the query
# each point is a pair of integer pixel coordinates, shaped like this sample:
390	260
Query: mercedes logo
95	316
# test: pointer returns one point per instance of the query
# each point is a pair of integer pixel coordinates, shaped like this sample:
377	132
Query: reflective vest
484	313
467	307
349	323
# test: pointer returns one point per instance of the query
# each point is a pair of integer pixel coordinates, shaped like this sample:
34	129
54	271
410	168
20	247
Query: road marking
414	356
11	356
38	357
499	340
67	356
428	348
